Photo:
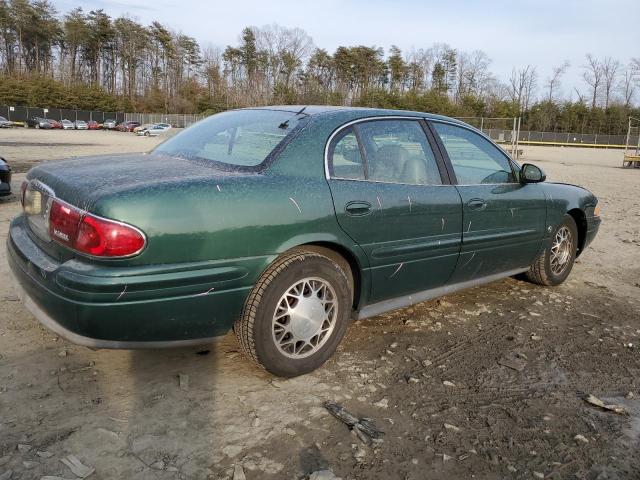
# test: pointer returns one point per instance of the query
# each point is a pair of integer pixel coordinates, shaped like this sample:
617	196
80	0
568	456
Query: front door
392	197
503	220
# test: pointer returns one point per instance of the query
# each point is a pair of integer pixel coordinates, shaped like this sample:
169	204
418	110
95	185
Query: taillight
93	235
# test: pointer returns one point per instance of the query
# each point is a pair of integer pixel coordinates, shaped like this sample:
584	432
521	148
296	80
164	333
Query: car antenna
285	124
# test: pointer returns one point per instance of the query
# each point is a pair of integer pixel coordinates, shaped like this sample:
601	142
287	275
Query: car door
392	196
503	220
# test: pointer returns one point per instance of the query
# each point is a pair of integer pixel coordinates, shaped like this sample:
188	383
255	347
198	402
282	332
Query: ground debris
366	431
512	363
238	473
593	400
323	475
184	381
581	438
6	475
77	467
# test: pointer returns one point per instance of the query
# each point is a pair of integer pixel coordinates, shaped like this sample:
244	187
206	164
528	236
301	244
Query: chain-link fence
503	130
175	119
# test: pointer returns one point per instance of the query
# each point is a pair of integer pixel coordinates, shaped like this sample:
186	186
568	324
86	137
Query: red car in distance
127	126
54	123
93	125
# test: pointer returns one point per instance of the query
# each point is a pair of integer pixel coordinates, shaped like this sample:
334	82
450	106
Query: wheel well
345	258
581	222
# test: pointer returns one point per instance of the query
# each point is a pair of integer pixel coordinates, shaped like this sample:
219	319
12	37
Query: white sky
513	33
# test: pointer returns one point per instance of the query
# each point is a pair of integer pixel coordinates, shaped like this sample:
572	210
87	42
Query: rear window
242	138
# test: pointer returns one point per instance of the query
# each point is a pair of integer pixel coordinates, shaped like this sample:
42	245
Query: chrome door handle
477	204
357	208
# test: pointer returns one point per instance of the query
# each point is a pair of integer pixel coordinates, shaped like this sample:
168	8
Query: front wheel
296	315
554	264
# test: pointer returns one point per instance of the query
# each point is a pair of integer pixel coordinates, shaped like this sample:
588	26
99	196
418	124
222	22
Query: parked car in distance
153	130
54	123
127	126
5	178
109	124
143	127
4	123
38	122
93	125
80	125
67	124
284	223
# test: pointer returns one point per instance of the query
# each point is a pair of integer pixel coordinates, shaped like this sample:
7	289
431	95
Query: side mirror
532	174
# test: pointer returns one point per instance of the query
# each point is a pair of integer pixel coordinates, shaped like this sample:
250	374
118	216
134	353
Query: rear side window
398	152
395	151
475	160
346	160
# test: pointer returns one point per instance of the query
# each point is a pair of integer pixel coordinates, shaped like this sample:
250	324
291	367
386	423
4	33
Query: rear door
503	220
393	197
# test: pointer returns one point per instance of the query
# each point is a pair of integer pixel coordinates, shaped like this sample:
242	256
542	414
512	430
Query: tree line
89	60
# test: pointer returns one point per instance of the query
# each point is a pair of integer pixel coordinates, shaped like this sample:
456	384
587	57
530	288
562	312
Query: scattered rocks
24	448
581	439
538	475
384	403
63	353
447	383
44	454
6	475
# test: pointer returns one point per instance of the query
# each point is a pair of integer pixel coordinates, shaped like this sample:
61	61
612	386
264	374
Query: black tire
541	271
254	328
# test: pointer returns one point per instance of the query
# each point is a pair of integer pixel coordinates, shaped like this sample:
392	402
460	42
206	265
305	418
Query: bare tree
593	76
610	69
522	85
627	86
553	83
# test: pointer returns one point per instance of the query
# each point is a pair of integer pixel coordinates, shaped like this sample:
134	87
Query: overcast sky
513	33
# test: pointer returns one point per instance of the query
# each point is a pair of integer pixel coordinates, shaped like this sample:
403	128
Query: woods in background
88	60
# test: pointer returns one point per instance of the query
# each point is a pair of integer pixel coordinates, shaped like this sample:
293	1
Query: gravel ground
484	384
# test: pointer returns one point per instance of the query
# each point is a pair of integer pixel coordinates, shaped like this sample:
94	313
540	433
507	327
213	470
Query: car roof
353	112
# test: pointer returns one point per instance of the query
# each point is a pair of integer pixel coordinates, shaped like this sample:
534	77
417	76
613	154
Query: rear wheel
554	264
296	315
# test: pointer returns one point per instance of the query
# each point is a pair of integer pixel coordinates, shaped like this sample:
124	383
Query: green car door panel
217	211
503	220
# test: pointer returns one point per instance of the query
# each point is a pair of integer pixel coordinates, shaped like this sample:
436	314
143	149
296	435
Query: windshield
242	138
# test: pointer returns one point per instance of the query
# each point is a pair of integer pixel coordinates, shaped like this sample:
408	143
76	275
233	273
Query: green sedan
284	223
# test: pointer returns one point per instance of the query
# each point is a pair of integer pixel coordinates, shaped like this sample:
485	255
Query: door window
475	160
398	152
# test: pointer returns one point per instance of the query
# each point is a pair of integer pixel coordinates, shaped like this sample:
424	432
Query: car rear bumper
125	307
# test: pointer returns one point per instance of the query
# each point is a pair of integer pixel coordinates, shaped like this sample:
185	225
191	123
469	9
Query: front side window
475	160
240	138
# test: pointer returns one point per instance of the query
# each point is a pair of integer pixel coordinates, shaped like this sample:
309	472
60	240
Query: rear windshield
242	138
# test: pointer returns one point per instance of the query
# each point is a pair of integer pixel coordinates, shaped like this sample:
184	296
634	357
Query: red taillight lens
92	235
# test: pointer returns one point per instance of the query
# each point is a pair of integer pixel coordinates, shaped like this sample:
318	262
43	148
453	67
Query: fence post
481	123
518	137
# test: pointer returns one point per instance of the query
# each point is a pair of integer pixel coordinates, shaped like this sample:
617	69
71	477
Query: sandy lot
24	147
125	414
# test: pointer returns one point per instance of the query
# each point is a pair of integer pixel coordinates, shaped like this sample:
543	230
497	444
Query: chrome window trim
327	176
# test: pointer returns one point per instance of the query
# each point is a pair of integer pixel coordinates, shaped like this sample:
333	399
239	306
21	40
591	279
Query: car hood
83	181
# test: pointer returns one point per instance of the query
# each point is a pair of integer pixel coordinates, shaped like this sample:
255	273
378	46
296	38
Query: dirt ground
431	376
